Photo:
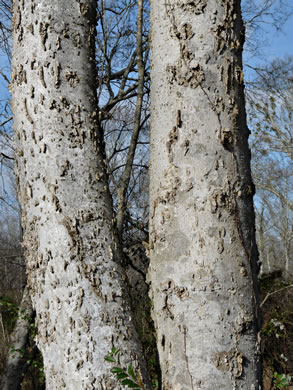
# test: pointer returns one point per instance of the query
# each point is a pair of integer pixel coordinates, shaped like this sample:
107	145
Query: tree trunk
78	286
16	364
125	179
203	269
261	240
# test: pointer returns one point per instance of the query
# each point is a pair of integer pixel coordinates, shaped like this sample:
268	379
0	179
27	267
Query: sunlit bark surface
203	270
76	281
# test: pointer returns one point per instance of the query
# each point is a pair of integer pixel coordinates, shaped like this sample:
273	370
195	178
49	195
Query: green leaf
131	371
122	375
109	359
130	384
116	370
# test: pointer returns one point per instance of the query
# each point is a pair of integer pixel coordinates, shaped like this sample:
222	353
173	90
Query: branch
7	120
5	156
275	192
274	292
5	77
9	204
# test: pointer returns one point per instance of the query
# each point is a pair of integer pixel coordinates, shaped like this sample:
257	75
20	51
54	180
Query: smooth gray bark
16	363
203	267
78	286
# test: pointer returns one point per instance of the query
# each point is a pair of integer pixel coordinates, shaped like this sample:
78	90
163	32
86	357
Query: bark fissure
186	357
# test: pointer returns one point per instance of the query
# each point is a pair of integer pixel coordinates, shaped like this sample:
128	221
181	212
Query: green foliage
277	331
281	381
126	377
32	358
274	327
9	311
9	306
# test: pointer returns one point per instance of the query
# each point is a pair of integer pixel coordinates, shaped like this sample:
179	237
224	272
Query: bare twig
274	292
5	156
5	77
7	120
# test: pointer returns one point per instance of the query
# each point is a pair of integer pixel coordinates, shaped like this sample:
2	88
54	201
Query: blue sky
4	66
282	42
276	44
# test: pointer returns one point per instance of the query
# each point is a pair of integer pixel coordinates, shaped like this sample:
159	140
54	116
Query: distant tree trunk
125	179
16	363
261	239
77	283
203	269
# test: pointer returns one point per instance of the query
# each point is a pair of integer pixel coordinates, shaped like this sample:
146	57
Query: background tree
123	77
258	15
270	102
